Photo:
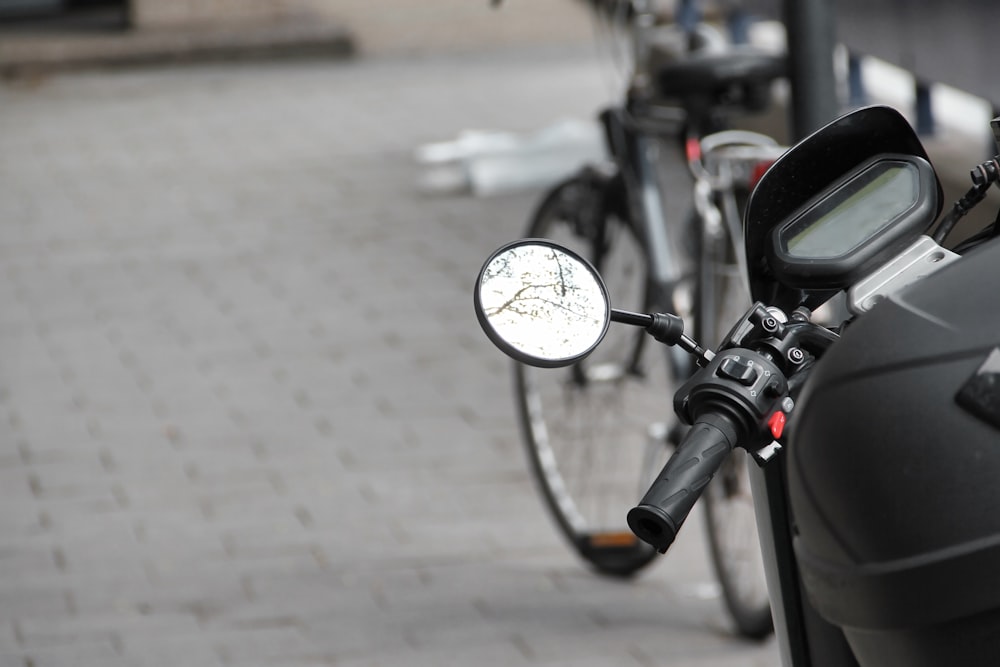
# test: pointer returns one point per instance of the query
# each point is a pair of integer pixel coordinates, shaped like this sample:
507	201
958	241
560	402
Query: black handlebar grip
660	513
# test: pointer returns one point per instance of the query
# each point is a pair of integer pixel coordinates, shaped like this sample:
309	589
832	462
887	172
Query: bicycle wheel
596	432
730	523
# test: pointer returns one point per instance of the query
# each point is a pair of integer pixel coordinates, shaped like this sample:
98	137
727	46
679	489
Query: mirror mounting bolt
801	314
766	321
795	355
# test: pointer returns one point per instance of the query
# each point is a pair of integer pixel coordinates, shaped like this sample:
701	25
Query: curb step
34	53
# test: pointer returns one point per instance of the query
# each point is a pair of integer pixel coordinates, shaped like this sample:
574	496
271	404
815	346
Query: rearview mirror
542	304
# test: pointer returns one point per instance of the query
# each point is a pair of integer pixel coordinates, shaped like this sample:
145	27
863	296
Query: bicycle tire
596	433
730	522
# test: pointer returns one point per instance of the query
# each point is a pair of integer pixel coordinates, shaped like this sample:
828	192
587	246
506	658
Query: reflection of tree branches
510	302
562	277
513	304
540	284
503	266
500	266
550	304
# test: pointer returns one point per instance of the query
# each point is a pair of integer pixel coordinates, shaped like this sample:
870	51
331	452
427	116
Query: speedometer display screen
862	208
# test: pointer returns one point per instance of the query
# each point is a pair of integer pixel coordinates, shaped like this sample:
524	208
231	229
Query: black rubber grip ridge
660	513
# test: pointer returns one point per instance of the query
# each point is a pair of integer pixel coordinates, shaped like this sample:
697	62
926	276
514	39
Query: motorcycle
876	438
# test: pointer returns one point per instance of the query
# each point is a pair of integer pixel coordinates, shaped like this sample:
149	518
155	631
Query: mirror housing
542	304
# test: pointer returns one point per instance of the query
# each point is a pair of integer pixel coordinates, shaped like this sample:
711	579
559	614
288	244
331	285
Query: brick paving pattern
247	416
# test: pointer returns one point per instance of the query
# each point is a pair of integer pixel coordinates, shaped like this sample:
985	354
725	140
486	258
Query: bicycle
616	217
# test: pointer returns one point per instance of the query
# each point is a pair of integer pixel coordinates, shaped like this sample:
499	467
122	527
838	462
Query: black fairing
804	171
894	474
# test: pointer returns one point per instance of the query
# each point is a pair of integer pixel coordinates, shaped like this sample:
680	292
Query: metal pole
925	111
810	26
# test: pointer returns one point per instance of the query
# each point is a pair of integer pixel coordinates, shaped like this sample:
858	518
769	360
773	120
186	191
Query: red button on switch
777	424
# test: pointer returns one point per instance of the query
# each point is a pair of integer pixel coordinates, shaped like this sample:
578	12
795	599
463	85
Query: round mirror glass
542	304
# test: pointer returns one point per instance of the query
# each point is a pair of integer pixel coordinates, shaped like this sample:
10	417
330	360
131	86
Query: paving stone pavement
247	416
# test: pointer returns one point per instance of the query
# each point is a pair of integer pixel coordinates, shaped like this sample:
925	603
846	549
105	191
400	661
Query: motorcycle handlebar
660	513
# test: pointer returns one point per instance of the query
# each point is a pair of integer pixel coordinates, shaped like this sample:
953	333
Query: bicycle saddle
736	78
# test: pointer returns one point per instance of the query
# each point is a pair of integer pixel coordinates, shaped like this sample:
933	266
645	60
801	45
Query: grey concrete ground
247	416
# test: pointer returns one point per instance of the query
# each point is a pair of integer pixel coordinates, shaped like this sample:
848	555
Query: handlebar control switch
743	384
740	370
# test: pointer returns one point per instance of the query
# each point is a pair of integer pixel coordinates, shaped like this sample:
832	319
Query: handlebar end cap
653	526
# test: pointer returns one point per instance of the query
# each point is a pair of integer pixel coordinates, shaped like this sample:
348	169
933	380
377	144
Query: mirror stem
666	328
635	319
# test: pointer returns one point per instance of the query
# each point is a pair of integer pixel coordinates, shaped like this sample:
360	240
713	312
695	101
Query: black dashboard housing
805	171
866	251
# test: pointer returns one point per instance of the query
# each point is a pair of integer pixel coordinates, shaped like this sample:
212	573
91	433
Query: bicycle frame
635	153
